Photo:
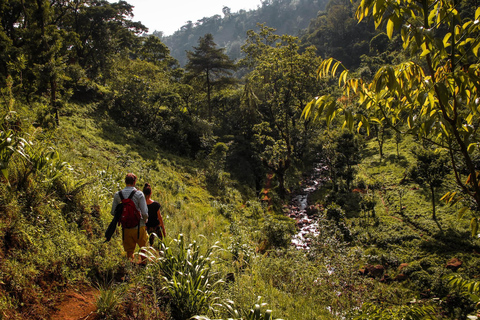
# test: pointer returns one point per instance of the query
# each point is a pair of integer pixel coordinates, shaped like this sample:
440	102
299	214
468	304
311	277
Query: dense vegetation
229	31
227	143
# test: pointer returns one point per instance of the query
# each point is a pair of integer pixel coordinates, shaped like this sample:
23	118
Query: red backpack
130	217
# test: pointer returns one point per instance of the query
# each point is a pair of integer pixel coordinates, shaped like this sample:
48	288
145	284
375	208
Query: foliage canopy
435	94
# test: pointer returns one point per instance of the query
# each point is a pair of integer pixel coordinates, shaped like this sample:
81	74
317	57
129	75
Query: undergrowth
378	253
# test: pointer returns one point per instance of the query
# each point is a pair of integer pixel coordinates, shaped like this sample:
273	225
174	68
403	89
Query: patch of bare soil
75	305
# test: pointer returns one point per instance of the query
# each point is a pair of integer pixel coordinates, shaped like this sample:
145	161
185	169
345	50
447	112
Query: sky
170	15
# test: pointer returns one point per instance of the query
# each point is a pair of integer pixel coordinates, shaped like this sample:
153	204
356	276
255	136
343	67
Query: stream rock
306	216
376	271
454	264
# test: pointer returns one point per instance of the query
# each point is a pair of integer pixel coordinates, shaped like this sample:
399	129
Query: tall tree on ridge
211	66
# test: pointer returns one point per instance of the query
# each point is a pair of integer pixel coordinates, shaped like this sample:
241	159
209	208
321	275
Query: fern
471	287
418	312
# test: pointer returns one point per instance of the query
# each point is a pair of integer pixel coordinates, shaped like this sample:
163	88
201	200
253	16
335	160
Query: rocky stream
305	215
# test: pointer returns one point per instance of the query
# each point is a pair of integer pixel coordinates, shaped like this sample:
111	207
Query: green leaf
376	120
334	69
326	68
425	50
343	78
474	226
443	94
410	121
5	173
445	40
348	120
461	212
391	78
359	126
308	109
471	147
390	26
476	48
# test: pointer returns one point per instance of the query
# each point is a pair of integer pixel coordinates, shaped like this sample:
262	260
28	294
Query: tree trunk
380	134
434	217
53	99
208	98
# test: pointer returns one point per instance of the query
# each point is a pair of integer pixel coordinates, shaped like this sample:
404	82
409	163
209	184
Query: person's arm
143	206
161	223
116	201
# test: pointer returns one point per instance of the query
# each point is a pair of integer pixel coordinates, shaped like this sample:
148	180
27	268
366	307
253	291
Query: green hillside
291	186
229	31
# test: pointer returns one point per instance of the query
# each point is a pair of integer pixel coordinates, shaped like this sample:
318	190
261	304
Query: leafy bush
10	144
242	253
255	313
372	312
469	289
278	231
189	277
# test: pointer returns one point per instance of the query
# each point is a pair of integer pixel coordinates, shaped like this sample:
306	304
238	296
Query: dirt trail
75	305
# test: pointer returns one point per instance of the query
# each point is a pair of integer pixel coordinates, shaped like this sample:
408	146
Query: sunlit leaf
445	40
390	26
476	48
307	109
425	51
471	147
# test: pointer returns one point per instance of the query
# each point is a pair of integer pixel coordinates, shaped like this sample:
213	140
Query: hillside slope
52	228
229	31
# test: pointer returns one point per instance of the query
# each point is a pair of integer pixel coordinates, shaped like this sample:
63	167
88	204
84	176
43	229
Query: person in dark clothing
136	235
155	221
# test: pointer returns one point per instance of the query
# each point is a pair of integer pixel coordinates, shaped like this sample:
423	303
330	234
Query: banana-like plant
10	144
373	312
255	313
47	164
188	274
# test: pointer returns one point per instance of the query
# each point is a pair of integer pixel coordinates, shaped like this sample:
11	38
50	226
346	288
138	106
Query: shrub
255	313
278	231
372	312
189	277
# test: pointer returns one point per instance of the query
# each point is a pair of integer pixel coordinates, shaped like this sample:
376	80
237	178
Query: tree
430	169
44	44
104	31
226	11
434	94
346	156
155	51
280	83
211	66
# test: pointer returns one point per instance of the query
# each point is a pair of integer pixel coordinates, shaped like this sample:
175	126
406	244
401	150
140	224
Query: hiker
155	221
133	227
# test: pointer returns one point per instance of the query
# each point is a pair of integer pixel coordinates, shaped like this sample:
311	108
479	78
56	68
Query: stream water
304	214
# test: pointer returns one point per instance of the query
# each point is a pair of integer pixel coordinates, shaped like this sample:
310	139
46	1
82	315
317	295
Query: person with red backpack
130	209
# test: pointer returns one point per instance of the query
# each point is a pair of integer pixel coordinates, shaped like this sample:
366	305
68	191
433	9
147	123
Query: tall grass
109	300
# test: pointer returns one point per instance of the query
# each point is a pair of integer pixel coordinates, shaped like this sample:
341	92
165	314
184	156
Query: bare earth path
76	305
